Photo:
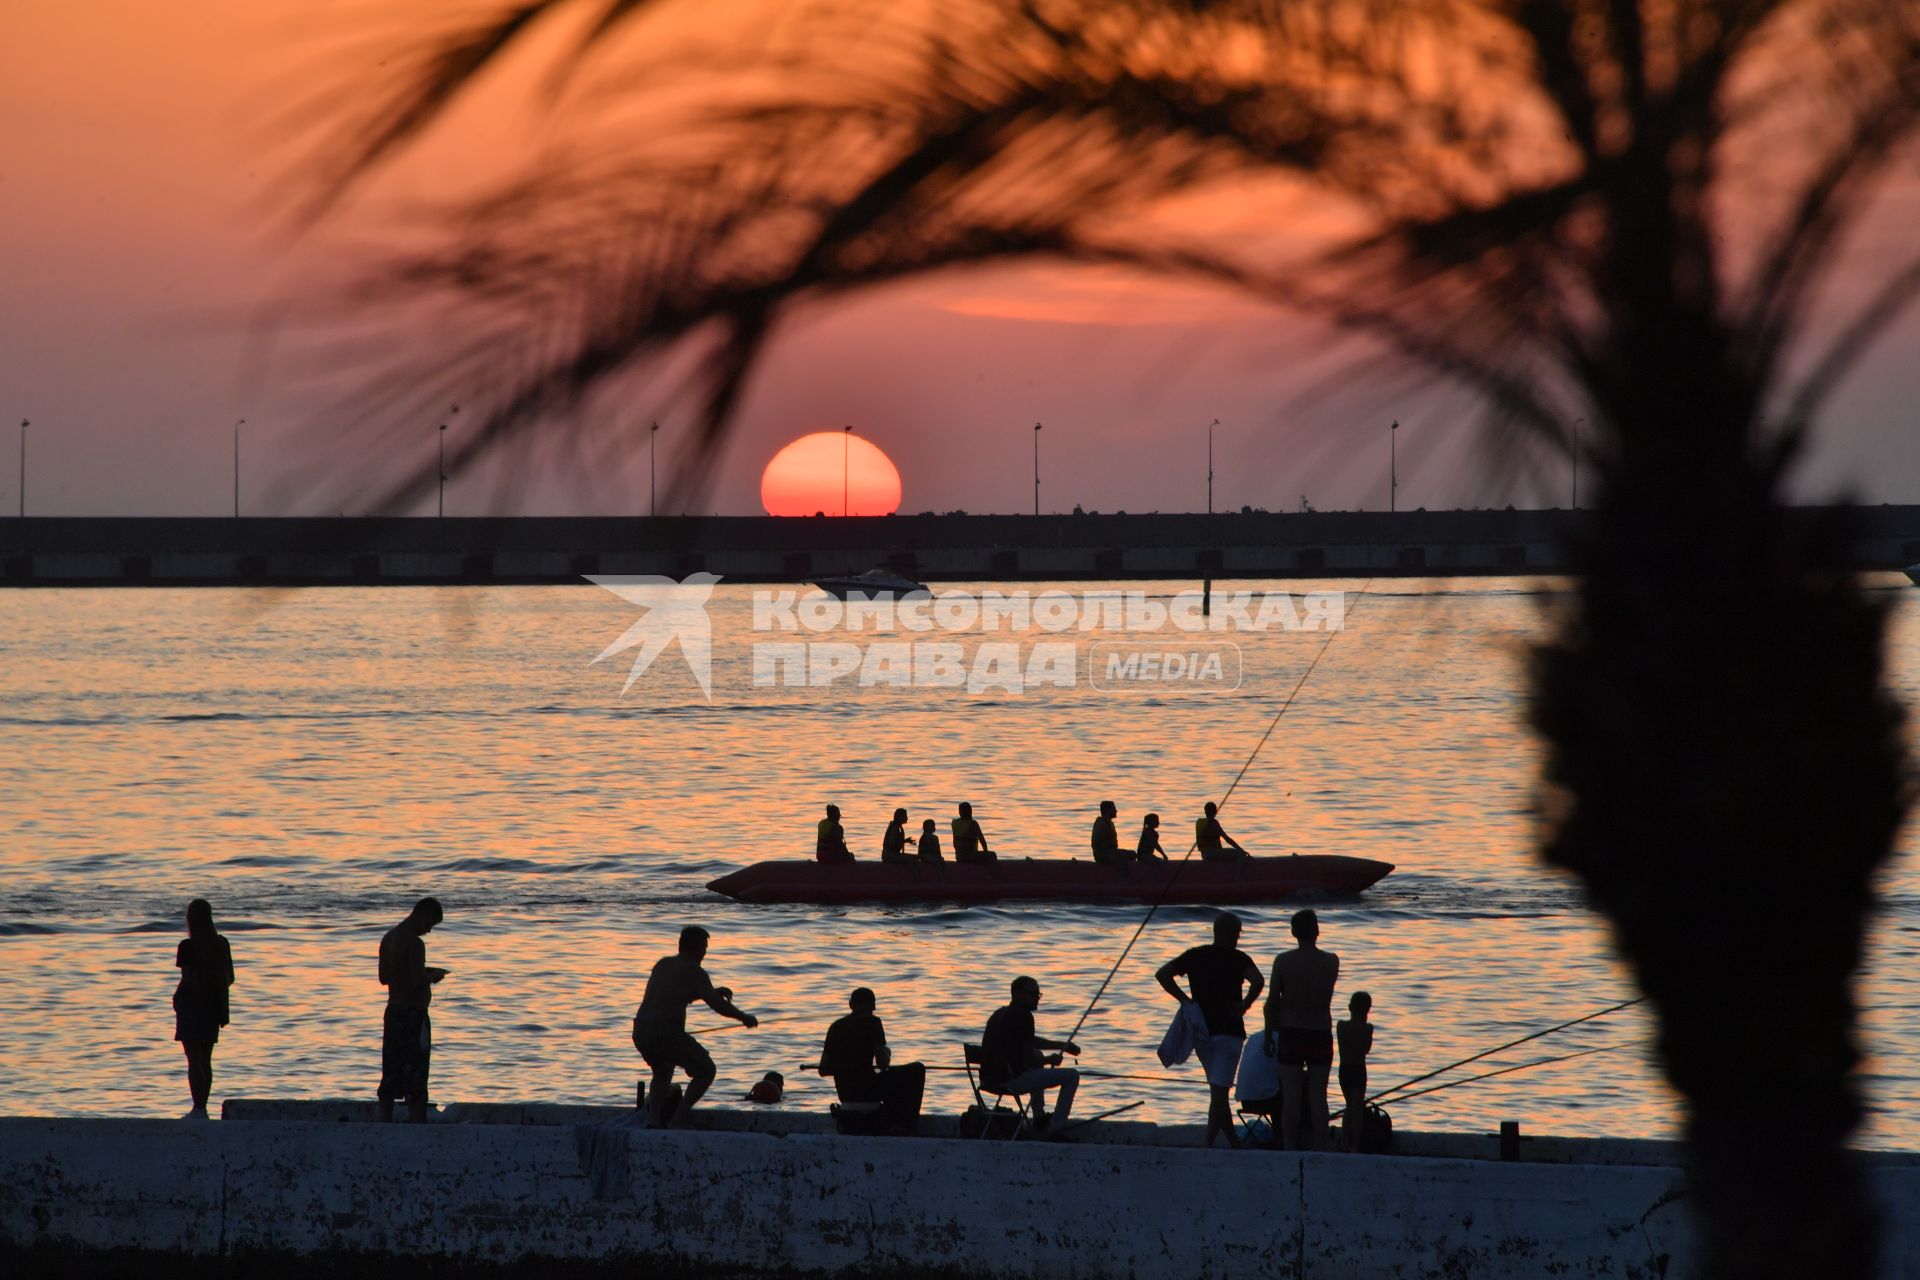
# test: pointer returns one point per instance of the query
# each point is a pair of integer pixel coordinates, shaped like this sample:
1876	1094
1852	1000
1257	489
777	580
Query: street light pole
236	466
653	490
846	443
1576	462
1210	465
1036	468
1393	467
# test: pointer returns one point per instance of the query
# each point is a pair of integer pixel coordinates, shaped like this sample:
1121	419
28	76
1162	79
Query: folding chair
1023	1122
1267	1110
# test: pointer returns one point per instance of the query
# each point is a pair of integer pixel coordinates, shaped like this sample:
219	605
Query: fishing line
1538	1062
1571	1022
1181	865
1397	1094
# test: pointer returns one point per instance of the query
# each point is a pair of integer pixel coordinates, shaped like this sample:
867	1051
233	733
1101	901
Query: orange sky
135	156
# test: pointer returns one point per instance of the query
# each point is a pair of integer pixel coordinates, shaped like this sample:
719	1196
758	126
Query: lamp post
1210	427
24	424
236	466
1576	462
1036	468
653	491
1393	467
846	444
451	411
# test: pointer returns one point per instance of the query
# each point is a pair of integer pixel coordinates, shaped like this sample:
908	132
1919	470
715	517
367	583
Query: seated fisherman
1106	840
830	845
1011	1062
893	845
858	1060
969	841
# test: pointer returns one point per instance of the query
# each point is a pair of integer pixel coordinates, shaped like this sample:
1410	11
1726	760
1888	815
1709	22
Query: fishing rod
1090	1072
735	1026
1096	1073
1539	1062
1182	864
1535	1035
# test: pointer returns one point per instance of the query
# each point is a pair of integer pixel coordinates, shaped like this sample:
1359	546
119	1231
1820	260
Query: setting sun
830	472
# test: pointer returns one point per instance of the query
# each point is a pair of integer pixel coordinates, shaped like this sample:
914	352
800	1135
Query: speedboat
872	583
1243	880
1913	574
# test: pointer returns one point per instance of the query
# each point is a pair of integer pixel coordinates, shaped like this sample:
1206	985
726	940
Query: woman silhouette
205	962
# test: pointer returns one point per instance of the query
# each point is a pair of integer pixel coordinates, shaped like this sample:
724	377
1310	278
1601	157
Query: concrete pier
305	1186
55	551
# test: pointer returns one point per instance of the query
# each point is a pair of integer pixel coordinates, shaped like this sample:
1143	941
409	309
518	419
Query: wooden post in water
1206	597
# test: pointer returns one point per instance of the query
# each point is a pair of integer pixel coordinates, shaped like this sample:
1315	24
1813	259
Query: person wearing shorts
660	1026
205	961
406	1042
1224	982
1299	1013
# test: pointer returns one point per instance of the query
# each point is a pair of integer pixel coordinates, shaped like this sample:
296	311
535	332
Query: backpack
1377	1137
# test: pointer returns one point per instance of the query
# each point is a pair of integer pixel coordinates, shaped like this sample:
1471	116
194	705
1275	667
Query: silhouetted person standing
856	1056
205	962
969	841
1106	840
830	844
1215	974
1011	1062
1213	838
1355	1035
660	1026
406	1045
1300	1014
893	845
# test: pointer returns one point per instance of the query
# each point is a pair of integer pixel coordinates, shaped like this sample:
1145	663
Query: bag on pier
998	1123
1376	1138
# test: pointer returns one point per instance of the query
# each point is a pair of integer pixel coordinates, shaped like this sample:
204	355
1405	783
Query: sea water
313	761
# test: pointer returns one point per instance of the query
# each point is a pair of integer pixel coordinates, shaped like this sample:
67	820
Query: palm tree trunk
1725	772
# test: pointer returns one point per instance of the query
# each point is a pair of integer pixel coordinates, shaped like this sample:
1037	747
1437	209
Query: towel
1189	1030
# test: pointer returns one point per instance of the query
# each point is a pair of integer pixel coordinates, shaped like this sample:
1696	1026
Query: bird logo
673	611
